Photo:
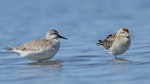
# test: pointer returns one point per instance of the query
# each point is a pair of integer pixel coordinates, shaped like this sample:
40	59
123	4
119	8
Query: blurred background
79	60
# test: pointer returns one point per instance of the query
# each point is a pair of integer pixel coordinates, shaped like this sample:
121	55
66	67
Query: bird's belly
118	49
43	55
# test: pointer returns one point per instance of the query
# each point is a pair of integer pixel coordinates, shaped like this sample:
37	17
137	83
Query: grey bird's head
53	34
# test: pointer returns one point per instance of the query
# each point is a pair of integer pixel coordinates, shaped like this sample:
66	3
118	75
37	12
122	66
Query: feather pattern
107	43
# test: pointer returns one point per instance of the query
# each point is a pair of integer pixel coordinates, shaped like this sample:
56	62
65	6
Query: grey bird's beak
62	37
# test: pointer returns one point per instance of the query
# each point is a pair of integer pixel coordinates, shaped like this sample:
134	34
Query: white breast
120	46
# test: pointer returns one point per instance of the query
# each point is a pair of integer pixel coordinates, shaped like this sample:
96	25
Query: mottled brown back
107	43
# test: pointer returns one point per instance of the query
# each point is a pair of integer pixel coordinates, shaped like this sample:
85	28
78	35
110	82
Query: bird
39	49
117	43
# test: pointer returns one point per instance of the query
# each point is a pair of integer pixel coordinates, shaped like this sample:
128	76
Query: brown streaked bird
116	43
39	49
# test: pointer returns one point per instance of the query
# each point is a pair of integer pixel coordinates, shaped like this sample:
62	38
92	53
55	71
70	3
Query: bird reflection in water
120	60
49	62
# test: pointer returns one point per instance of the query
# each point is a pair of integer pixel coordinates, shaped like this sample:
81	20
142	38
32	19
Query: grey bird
39	49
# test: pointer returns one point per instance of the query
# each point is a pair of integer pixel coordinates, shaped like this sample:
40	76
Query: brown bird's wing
107	43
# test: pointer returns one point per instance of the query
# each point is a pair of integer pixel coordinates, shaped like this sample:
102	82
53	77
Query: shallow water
79	60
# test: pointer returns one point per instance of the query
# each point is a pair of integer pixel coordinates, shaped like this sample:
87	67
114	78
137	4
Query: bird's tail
100	42
8	48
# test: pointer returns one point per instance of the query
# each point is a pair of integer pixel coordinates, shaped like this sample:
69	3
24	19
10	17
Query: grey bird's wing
107	43
34	45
